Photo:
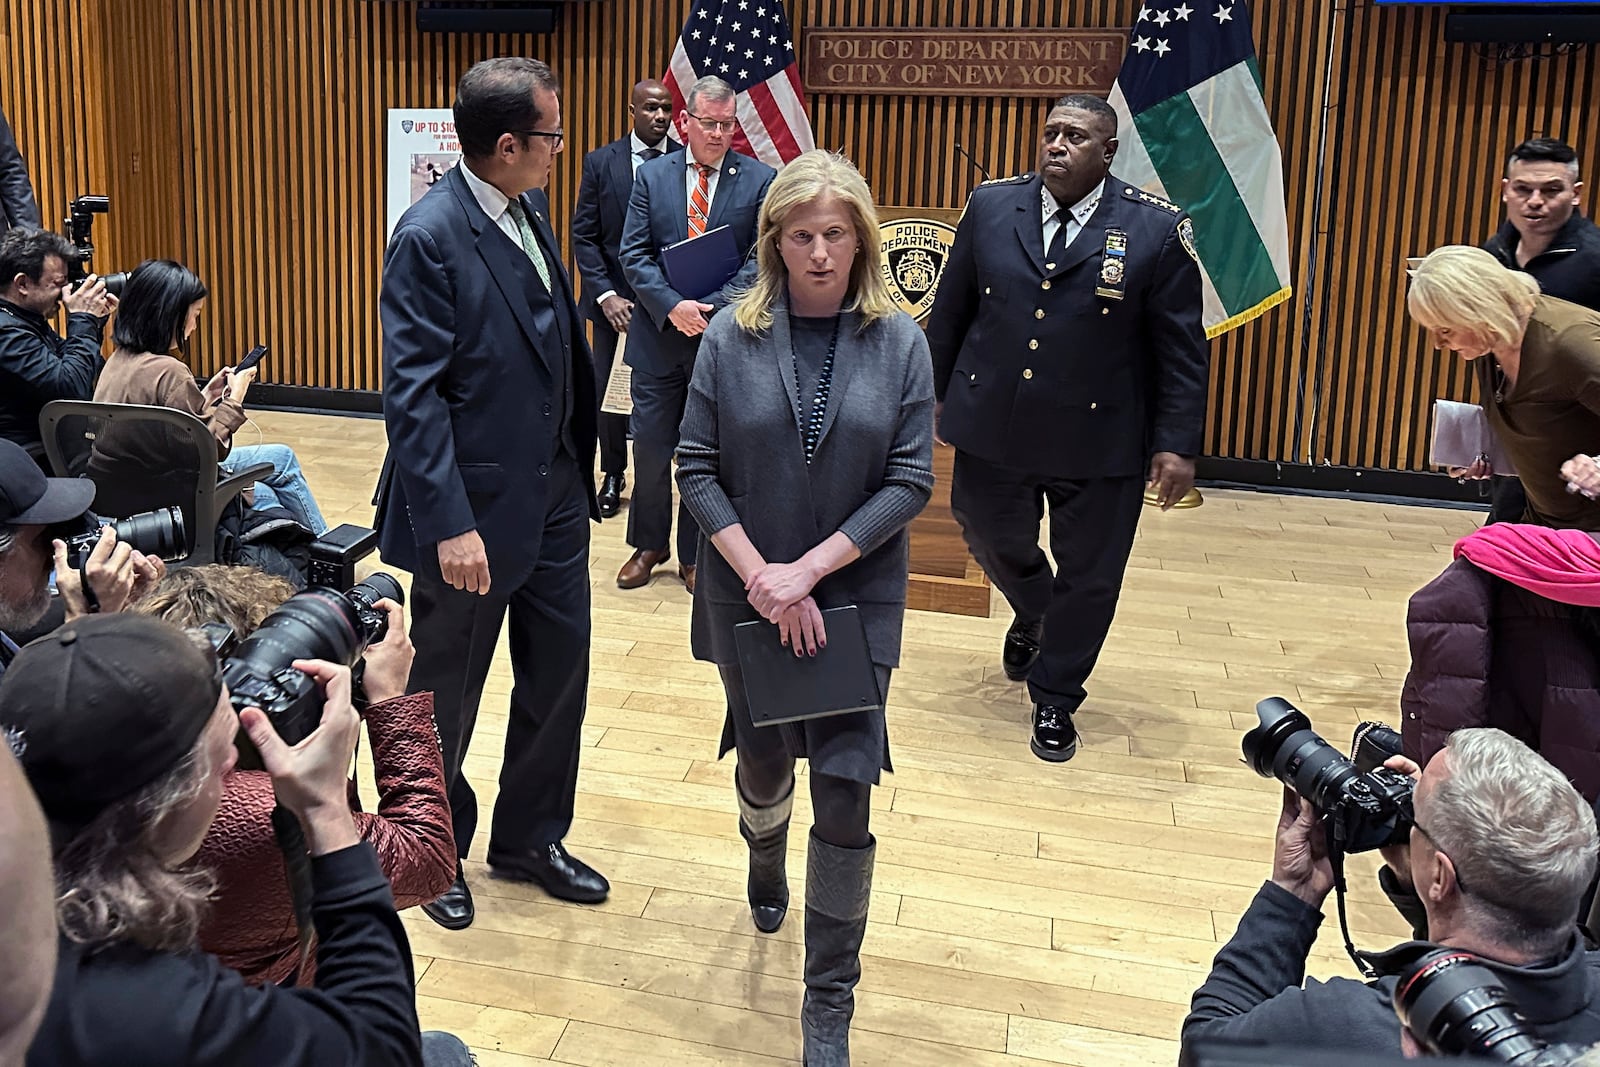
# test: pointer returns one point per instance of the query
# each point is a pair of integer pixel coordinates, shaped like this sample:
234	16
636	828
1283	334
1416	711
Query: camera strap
297	865
1336	861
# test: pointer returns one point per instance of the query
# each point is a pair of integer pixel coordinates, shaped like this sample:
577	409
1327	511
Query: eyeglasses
1418	827
715	125
556	136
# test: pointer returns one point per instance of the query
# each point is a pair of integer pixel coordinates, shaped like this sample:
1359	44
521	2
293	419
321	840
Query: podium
944	577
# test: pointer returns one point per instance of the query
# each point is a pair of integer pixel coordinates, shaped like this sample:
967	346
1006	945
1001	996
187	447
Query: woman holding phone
160	308
806	449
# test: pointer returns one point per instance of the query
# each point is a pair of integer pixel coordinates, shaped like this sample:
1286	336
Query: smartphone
249	362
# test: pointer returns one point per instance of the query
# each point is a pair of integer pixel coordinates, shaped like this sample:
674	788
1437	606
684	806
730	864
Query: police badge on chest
1113	283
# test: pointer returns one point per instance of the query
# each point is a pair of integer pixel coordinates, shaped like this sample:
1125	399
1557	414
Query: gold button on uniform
1028	373
987	290
1033	345
1038	313
1093	406
1045	284
1105	311
972	377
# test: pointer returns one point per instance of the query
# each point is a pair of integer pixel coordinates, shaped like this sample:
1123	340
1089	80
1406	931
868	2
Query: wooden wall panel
1423	130
246	139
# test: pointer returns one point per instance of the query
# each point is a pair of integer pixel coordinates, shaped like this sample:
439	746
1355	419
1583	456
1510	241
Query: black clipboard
701	265
782	687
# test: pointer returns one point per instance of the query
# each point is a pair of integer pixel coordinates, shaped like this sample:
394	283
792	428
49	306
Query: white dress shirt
636	146
1076	217
493	202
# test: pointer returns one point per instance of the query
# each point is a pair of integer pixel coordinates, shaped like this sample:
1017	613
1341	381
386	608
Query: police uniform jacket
1078	368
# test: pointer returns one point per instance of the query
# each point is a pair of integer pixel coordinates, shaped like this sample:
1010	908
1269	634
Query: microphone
981	168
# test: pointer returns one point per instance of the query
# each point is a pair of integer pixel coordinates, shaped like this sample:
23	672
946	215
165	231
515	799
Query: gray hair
1521	836
112	885
710	87
8	535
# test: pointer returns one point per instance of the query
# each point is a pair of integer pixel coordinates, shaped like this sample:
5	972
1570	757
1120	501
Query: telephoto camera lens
1455	1006
320	624
1284	746
115	282
158	533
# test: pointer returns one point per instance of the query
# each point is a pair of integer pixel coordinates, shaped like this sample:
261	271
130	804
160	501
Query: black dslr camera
1455	1006
316	624
80	223
1364	810
158	533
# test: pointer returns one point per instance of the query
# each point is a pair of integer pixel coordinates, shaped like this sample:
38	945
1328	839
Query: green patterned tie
530	244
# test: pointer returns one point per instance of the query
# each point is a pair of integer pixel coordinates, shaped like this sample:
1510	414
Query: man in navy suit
490	408
1069	363
596	238
674	198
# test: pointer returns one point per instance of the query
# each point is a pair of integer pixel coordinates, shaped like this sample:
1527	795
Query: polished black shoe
557	872
1054	737
1021	650
610	495
453	910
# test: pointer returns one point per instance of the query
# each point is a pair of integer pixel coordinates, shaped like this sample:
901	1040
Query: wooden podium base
943	576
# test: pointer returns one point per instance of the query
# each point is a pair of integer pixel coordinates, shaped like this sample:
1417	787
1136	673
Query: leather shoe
557	872
453	910
1021	649
636	572
610	496
687	574
1054	737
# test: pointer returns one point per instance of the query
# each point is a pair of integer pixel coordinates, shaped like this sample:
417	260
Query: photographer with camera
38	365
36	511
125	729
251	926
1502	848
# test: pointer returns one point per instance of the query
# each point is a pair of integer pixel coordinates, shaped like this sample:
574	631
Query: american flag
748	44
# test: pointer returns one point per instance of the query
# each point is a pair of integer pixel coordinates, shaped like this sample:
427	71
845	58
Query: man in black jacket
1069	363
1545	236
17	206
38	365
1502	849
124	729
597	220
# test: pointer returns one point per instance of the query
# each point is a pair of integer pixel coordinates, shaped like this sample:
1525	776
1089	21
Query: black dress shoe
453	910
1054	737
610	495
1021	650
557	872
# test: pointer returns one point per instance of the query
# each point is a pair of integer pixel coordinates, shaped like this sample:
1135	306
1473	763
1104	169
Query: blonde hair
1467	288
808	178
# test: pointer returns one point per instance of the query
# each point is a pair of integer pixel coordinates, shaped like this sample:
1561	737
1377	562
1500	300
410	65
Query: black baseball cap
28	498
104	706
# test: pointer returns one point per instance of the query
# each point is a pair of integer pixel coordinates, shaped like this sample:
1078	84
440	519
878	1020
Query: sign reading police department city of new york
915	251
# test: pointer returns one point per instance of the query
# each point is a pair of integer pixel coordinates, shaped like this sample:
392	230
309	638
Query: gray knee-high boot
766	831
838	886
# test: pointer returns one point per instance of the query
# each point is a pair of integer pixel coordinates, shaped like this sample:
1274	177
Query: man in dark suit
17	206
490	409
674	198
1070	368
596	238
1544	235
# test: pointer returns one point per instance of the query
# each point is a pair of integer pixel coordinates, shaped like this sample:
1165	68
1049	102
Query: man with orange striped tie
675	198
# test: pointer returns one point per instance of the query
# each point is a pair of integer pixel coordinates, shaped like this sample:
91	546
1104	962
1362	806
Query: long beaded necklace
811	427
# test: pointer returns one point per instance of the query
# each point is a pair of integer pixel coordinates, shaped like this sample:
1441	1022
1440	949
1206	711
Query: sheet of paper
619	388
1462	436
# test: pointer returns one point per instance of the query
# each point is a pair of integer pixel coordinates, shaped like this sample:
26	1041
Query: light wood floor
1023	913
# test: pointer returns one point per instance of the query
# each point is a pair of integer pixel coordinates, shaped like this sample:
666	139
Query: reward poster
422	147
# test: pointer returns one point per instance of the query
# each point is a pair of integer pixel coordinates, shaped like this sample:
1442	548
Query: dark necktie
1058	244
650	153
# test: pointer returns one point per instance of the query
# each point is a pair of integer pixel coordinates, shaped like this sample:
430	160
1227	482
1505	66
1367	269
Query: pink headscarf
1559	565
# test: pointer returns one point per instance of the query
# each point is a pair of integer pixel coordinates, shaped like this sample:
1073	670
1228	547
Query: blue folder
701	265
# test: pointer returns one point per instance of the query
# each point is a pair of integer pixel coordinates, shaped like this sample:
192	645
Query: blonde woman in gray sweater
806	450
